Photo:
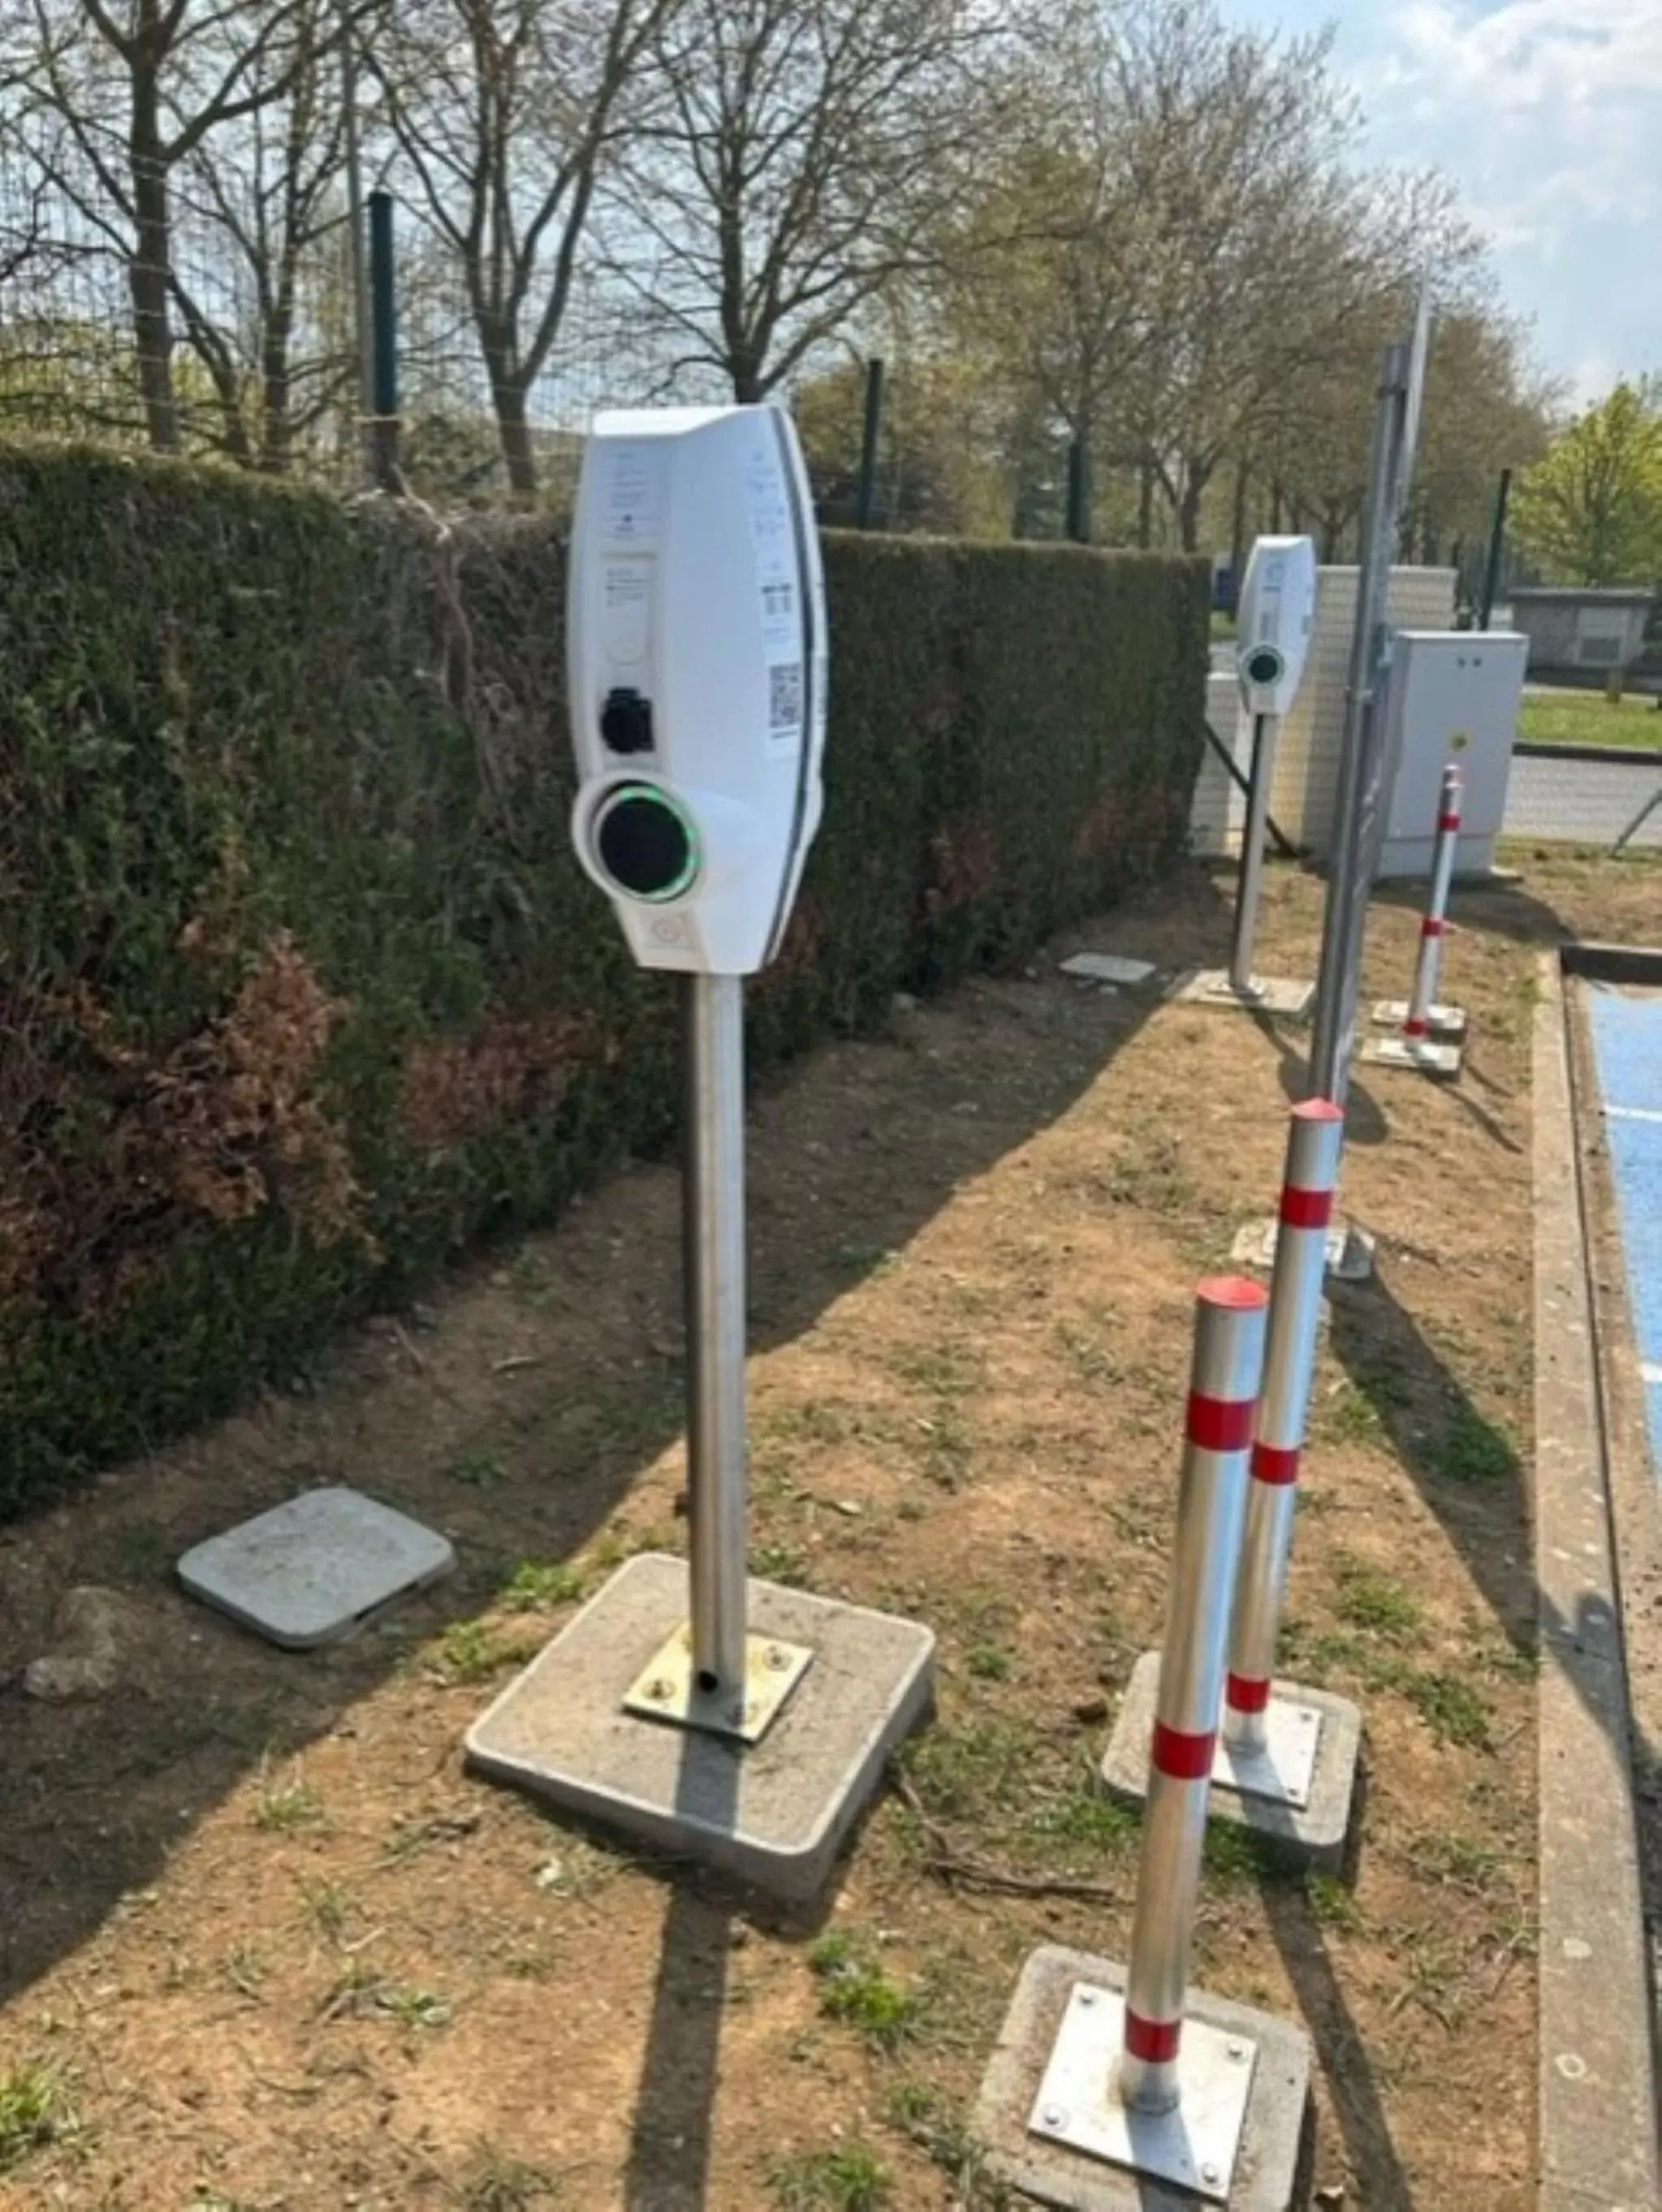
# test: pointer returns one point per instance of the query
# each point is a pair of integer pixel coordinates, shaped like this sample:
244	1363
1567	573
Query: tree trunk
1146	504
1275	510
151	266
1195	482
276	430
513	428
1238	525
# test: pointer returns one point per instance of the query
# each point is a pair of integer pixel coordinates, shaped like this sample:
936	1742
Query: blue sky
1548	113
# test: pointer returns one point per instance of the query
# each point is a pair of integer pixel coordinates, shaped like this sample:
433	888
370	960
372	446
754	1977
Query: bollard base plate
1079	2104
1420	1054
774	1813
1349	1248
1264	2148
1316	1833
1283	996
667	1688
1283	1768
1449	1022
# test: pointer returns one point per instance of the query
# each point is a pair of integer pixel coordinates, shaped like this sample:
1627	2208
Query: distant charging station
737	1721
1277	607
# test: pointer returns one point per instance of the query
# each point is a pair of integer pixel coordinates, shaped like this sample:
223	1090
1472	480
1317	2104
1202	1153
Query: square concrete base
1447	1022
1421	1056
1349	1249
1109	968
773	1813
1281	995
1314	1835
1266	2175
313	1570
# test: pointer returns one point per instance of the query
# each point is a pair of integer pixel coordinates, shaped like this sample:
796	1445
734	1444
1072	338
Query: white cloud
1554	102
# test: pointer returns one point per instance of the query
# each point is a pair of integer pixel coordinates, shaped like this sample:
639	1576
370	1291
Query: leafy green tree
1591	510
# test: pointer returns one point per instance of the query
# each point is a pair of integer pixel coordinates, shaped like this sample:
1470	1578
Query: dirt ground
264	1944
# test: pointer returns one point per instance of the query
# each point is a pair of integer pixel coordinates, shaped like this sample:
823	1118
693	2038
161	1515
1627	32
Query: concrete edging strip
1597	2090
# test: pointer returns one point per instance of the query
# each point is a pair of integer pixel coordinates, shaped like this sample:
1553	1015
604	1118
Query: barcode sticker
784	697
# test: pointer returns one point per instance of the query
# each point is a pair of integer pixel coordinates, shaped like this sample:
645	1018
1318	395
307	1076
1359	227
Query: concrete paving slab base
1349	1248
1415	1056
315	1569
1316	1834
1447	1022
1283	996
773	1813
1269	2173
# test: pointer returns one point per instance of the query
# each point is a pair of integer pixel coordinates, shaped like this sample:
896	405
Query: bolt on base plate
667	1688
1259	2161
1283	996
1447	1022
1079	2104
1419	1053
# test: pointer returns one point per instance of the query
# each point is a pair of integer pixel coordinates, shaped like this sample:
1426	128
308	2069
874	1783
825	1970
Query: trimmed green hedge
300	988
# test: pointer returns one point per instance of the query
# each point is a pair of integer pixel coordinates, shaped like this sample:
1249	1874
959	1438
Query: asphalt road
1585	802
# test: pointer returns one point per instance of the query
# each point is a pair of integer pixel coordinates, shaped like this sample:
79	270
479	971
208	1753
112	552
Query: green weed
1374	1601
472	1651
283	1807
35	2112
933	2123
855	1990
494	2182
1474	1451
536	1583
1332	1904
477	1469
988	1663
851	2179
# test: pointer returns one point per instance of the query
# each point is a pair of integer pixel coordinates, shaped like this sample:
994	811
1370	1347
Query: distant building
1575	631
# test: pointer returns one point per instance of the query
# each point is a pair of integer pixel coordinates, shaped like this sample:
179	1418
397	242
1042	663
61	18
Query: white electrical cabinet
1450	696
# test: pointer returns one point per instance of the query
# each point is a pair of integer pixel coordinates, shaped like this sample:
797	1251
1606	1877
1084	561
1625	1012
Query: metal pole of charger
1416	1023
714	1229
1315	1139
1229	1330
1251	875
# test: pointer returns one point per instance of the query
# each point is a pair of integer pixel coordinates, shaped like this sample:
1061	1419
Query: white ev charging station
1277	610
739	1721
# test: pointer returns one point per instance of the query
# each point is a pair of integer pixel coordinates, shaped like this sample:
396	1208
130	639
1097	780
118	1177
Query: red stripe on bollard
1154	2041
1182	1758
1305	1209
1432	926
1412	1027
1448	821
1247	1696
1274	1463
1220	1425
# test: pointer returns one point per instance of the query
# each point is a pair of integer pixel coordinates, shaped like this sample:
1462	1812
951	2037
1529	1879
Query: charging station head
1276	609
696	660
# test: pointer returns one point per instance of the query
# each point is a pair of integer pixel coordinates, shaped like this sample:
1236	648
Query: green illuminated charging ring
646	842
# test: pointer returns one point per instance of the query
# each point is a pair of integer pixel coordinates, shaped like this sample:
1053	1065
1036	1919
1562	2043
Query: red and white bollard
1416	1021
1229	1332
1315	1140
1108	2080
1427	1034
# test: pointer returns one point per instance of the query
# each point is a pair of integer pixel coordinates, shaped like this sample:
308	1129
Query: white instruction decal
626	605
630	496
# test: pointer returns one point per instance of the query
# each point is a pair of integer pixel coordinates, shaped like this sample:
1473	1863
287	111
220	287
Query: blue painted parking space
1627	1039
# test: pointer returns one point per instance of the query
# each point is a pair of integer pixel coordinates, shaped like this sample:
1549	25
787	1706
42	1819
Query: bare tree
505	111
806	152
268	188
137	87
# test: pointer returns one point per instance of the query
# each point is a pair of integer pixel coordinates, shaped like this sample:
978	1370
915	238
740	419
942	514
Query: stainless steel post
713	1224
1416	1023
1229	1324
1359	814
1315	1139
1250	885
